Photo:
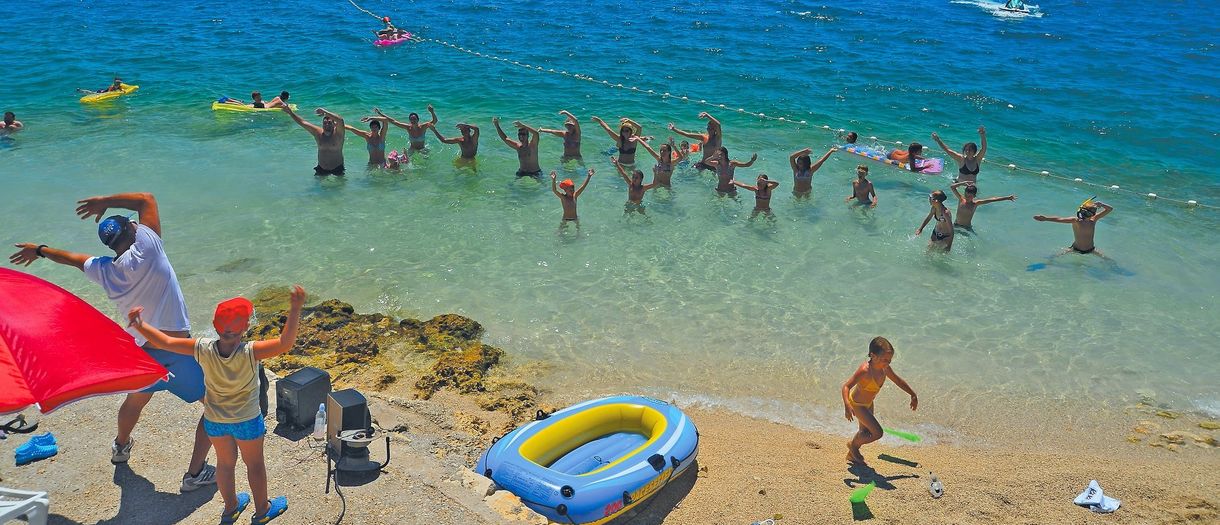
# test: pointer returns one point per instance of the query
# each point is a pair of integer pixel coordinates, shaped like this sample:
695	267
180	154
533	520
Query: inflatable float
930	166
124	89
221	106
590	462
381	42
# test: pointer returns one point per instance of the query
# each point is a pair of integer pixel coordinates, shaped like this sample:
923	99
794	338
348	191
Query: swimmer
663	171
725	168
1083	225
468	141
374	138
280	101
635	186
569	195
969	159
803	169
415	130
913	153
967	205
861	389
942	233
10	123
329	137
851	137
394	161
570	135
709	142
684	151
762	194
862	188
526	146
627	129
256	98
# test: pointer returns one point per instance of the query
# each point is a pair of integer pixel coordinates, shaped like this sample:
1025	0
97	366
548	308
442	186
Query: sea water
695	299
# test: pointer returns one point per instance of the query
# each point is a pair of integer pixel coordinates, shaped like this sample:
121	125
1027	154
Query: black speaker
345	410
297	396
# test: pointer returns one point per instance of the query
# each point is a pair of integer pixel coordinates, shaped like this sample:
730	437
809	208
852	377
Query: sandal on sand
243	500
278	506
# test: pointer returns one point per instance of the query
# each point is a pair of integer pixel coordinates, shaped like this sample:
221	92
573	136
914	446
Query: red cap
233	315
567	183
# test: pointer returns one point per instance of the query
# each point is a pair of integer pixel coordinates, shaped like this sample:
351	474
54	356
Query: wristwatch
38	250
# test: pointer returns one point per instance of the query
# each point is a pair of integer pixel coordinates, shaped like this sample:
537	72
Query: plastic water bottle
319	422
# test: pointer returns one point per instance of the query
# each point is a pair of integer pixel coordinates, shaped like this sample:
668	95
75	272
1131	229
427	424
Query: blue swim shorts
186	380
244	431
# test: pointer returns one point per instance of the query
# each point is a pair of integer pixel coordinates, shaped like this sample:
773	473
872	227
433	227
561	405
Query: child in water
858	403
231	414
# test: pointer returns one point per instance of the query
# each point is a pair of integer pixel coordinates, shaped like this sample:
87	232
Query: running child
866	382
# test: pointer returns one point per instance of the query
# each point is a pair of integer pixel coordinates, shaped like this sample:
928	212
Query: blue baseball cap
110	230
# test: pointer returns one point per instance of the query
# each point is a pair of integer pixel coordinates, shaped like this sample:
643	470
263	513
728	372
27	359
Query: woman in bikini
374	139
803	169
861	389
762	194
570	135
942	233
415	130
663	172
622	139
969	159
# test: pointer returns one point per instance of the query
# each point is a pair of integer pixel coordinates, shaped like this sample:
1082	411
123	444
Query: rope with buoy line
1077	180
782	118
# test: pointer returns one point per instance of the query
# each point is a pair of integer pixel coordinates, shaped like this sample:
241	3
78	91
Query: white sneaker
120	454
206	476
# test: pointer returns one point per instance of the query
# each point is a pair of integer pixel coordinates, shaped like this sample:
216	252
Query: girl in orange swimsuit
866	382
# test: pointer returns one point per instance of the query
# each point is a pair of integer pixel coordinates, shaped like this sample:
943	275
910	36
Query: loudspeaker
345	410
297	396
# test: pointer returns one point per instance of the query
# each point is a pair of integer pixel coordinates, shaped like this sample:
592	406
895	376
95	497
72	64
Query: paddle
913	438
858	495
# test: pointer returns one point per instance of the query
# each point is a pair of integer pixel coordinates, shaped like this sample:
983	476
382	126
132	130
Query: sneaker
206	476
120	454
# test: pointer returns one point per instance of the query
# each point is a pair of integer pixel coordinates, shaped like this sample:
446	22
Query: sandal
278	506
243	500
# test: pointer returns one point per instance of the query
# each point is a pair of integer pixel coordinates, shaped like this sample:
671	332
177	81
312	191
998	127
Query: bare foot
854	456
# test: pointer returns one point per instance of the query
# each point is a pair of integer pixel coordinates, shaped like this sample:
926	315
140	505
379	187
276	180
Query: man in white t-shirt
139	274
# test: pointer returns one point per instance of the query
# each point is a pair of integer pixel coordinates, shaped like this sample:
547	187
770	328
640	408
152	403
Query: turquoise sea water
696	300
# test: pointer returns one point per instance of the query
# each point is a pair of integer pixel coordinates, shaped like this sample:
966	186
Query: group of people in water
628	138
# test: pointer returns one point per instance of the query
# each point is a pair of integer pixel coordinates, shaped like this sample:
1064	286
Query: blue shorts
244	431
186	380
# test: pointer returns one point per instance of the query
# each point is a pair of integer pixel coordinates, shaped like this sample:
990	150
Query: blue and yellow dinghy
591	462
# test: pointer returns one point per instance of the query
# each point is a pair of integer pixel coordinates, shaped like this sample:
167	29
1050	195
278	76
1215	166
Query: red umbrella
55	348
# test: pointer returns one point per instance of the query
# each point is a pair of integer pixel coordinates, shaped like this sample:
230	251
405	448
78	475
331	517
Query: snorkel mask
1087	209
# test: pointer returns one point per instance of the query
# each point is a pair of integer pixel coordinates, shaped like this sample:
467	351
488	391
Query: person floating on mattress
913	153
117	85
861	389
389	32
1015	4
256	98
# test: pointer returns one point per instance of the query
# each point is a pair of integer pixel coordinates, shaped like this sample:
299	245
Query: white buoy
722	106
1010	105
1114	186
1078	179
802	122
665	94
1044	172
899	142
782	119
1192	203
684	97
1012	166
1151	195
874	137
741	110
763	115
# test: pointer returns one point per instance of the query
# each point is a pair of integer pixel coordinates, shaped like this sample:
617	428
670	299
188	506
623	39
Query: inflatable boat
590	462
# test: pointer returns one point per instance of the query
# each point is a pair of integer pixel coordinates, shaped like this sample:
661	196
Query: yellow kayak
222	106
126	89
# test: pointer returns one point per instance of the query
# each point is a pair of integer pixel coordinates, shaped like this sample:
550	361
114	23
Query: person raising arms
415	130
1084	225
725	169
663	171
374	137
969	159
329	137
762	194
467	140
967	205
635	186
710	142
803	169
526	146
570	135
569	195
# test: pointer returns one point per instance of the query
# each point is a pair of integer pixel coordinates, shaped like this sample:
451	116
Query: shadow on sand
140	502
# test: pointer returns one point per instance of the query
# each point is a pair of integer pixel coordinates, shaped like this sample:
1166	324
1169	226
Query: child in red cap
231	413
569	195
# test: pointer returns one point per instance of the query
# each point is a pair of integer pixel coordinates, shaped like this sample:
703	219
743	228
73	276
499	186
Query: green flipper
858	495
904	435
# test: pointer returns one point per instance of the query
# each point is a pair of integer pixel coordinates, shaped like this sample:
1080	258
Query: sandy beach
1162	465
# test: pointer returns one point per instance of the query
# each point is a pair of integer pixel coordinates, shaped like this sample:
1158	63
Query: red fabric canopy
55	348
